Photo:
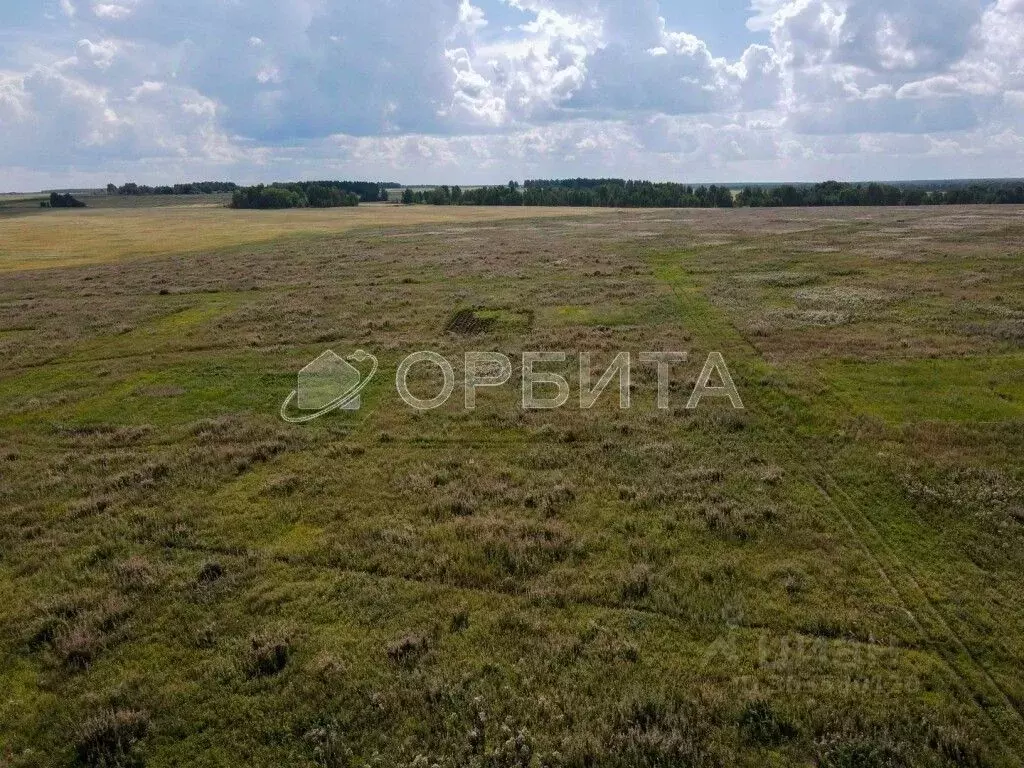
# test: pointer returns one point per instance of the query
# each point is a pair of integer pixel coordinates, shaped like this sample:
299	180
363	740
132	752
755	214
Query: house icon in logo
325	381
330	383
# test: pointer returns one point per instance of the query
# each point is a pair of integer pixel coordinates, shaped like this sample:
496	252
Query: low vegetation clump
109	739
268	654
66	200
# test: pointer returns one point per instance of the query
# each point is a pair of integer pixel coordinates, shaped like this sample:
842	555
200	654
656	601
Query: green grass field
832	576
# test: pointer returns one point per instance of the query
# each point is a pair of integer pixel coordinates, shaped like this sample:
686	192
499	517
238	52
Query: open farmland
831	576
116	228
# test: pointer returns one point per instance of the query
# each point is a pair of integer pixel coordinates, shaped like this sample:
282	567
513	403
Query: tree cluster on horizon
605	192
302	194
367	191
836	193
131	189
67	200
612	193
621	193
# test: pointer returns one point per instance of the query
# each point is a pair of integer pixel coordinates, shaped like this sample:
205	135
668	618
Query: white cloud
471	18
576	86
100	55
269	74
867	66
605	57
113	11
53	119
523	79
13	101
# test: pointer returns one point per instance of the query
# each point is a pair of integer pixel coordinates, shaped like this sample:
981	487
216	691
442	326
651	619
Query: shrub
135	573
64	201
210	572
109	739
638	583
268	655
408	649
760	725
460	621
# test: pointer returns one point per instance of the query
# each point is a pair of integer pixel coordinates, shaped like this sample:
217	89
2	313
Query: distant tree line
195	188
613	193
619	193
835	193
366	191
303	194
58	200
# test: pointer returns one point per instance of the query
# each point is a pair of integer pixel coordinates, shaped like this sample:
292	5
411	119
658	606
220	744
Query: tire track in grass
990	697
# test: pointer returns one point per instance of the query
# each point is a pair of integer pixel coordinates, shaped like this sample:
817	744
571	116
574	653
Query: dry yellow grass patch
74	237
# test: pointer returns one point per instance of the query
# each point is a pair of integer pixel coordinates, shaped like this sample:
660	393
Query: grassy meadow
117	228
832	576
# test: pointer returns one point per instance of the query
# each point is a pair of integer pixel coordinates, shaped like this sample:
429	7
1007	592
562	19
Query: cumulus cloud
575	86
868	66
114	11
593	58
53	119
100	54
526	78
471	18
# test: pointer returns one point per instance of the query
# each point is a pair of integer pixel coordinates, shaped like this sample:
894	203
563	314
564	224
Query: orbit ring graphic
357	357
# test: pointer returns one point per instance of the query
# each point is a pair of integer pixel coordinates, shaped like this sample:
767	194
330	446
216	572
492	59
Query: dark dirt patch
467	322
477	320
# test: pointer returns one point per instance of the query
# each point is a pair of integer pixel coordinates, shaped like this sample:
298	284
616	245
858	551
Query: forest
194	188
619	193
604	193
302	194
833	193
611	193
366	191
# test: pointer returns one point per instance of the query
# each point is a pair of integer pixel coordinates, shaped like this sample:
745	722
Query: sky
484	91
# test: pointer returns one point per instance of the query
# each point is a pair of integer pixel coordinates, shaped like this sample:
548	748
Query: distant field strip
69	238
